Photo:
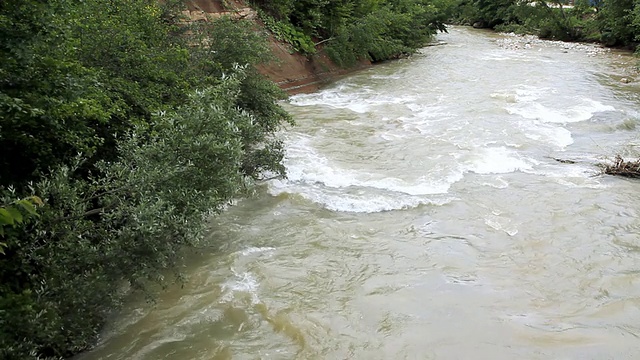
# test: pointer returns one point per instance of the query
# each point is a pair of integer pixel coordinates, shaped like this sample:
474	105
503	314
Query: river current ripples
445	206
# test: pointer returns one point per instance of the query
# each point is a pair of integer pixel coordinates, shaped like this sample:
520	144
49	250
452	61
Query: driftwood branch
324	41
622	167
261	181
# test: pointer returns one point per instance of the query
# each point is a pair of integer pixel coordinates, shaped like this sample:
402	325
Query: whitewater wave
362	201
337	191
257	250
314	178
527	102
583	110
545	123
498	160
360	100
242	282
501	224
338	186
317	179
547	133
305	165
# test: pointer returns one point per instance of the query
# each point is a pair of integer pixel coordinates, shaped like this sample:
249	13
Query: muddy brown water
425	217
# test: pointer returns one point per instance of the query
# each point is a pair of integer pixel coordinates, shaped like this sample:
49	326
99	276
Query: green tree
393	29
132	135
615	19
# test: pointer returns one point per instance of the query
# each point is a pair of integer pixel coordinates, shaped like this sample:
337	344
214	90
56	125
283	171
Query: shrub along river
426	216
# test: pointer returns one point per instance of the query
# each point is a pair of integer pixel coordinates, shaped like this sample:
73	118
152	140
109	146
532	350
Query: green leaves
77	73
132	135
12	214
391	30
613	23
616	22
288	33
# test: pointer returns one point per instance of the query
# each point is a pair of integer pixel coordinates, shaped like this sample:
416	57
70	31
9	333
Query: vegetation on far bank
611	22
354	30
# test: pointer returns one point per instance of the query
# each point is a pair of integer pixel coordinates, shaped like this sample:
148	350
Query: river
426	216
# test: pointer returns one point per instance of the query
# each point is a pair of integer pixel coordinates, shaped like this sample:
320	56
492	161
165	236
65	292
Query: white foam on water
364	202
526	101
359	101
336	98
498	183
500	55
424	110
584	110
338	187
583	183
390	136
501	224
498	160
315	178
528	105
305	165
547	133
425	119
257	250
351	195
522	94
243	282
508	97
564	171
571	175
531	93
385	77
415	107
541	122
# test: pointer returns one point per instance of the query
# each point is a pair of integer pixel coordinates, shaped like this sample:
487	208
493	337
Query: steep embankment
292	71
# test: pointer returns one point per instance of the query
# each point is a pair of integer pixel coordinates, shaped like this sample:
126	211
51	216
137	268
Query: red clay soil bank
296	73
293	72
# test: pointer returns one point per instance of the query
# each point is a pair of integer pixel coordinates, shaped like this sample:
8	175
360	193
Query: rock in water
479	25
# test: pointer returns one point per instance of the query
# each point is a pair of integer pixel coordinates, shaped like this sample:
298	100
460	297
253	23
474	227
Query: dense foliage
119	136
612	22
356	30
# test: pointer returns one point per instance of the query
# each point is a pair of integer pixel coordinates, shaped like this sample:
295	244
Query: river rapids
444	206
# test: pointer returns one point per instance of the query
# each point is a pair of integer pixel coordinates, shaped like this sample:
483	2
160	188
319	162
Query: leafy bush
131	137
614	23
615	20
286	32
396	29
355	29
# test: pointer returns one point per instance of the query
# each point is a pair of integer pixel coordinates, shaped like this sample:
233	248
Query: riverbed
444	206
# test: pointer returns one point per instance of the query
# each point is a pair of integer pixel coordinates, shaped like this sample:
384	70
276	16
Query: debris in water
564	161
438	43
622	167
